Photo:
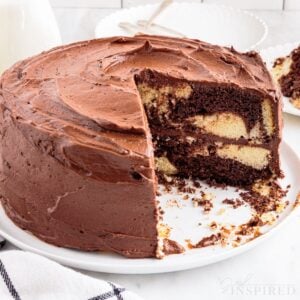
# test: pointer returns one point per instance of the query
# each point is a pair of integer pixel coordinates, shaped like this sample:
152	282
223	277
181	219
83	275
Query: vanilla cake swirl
86	128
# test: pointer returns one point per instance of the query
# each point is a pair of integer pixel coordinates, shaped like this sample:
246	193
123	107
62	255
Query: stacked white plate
212	23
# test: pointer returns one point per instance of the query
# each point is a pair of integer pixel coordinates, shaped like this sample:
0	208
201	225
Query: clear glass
27	27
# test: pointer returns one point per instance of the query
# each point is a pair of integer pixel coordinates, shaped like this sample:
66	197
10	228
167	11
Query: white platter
269	55
184	222
212	23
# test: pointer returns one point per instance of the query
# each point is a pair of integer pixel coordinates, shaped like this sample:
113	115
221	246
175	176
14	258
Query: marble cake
87	128
286	71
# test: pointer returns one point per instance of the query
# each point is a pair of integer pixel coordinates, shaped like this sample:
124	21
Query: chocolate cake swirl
80	125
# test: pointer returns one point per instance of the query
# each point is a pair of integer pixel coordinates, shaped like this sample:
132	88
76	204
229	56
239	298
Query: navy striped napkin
27	276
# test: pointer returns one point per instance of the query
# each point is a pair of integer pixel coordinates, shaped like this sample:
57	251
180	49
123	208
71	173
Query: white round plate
185	224
269	55
216	24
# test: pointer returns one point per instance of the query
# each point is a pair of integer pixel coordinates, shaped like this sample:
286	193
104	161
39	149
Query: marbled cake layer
214	132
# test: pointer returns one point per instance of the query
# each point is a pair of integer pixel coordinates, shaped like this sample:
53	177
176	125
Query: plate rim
222	6
142	268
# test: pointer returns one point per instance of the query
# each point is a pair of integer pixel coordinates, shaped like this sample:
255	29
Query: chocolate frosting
82	175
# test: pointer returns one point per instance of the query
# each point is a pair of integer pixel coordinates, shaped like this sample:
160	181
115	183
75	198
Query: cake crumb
221	211
207	205
207	241
172	247
213	225
164	230
280	207
297	202
189	243
235	203
264	196
196	184
187	189
186	197
268	218
250	227
295	102
208	196
173	203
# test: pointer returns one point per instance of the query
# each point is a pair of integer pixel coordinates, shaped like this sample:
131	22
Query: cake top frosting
89	87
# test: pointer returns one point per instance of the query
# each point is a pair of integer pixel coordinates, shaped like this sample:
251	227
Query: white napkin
28	276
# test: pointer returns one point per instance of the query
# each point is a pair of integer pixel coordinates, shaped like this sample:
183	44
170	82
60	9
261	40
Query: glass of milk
27	27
